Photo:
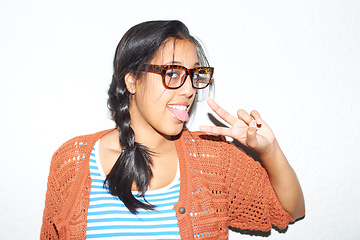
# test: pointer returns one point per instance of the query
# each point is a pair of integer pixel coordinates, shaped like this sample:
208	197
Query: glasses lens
174	77
202	77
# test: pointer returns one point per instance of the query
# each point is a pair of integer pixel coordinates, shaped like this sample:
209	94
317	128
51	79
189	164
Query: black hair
137	47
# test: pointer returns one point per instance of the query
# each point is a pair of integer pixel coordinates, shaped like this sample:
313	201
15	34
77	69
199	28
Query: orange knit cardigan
220	186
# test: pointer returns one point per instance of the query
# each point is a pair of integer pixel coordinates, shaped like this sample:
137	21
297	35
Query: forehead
180	51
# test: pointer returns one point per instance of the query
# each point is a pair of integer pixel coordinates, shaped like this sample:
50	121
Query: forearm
284	181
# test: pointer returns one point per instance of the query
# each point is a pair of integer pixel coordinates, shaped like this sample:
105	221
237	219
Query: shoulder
76	148
201	138
211	144
187	135
83	140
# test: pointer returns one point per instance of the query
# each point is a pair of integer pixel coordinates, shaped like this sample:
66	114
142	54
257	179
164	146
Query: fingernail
258	121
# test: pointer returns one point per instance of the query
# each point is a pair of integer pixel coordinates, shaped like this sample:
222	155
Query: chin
174	130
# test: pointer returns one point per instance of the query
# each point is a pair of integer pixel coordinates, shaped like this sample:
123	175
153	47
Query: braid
134	161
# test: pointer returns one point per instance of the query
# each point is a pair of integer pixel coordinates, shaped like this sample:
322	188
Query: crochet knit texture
220	186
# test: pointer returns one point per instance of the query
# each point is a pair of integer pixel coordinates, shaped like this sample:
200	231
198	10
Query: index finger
222	113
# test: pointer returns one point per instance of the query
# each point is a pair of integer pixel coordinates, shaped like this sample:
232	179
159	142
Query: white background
296	62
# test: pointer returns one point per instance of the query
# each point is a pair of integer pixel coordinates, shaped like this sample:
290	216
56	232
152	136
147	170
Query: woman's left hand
248	129
253	132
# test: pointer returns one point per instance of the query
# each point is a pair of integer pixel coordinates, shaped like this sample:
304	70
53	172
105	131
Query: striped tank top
108	218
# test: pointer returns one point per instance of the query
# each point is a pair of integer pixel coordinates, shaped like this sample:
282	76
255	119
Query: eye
172	74
196	76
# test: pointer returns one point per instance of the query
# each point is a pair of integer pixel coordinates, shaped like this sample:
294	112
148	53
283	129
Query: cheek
151	95
156	93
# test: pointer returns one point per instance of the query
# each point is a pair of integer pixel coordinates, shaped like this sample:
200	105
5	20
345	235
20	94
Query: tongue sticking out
181	115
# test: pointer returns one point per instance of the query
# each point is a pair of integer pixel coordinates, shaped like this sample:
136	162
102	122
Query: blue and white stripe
108	217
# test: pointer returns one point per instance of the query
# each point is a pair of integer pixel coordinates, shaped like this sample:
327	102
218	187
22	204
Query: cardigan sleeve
68	189
67	195
252	202
53	200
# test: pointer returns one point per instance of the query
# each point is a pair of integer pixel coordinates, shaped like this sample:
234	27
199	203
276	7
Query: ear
130	82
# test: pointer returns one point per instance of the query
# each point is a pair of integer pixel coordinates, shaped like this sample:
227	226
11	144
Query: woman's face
154	108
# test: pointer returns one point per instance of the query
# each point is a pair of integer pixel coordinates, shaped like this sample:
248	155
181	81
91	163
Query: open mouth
179	112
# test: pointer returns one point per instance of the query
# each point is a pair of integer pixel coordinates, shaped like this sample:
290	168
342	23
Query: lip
179	104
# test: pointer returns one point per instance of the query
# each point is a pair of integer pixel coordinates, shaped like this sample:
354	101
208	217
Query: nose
187	89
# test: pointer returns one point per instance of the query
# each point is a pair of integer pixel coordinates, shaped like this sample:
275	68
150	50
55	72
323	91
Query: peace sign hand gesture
253	132
248	129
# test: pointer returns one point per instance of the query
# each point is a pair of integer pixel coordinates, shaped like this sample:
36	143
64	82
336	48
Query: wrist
271	152
274	160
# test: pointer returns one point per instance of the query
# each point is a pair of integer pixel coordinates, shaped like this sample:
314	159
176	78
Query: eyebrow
179	63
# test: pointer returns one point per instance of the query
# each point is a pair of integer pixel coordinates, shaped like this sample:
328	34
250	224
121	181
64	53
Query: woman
125	182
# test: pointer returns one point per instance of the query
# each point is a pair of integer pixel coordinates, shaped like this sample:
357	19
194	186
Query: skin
154	127
252	131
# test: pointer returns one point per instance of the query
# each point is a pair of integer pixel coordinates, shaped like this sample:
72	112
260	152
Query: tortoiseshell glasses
174	76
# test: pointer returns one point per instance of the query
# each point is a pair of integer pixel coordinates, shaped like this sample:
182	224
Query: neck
155	141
